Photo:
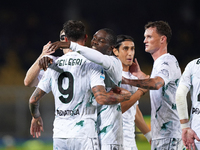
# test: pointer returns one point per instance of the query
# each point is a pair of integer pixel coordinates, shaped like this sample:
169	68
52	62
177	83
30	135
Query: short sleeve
45	82
97	75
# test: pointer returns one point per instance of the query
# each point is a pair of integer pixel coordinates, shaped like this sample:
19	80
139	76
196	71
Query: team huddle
97	90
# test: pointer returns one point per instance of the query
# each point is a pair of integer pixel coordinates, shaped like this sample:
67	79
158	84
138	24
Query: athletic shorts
130	148
197	144
75	144
167	144
111	147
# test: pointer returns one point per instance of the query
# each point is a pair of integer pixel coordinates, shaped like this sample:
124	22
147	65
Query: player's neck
125	68
158	53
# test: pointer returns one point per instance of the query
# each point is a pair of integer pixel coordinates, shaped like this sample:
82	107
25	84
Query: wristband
142	91
185	125
148	136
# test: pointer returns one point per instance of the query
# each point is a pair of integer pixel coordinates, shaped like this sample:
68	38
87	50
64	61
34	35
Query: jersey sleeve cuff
73	46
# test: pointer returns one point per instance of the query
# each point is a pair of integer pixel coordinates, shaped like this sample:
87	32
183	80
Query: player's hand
36	127
126	94
125	80
45	49
44	61
136	71
58	44
188	137
135	67
116	90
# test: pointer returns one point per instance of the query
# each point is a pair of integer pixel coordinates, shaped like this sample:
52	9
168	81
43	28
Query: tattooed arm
36	123
111	97
150	84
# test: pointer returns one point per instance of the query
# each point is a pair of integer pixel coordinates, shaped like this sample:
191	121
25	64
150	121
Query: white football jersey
110	116
164	116
109	119
41	73
191	79
71	84
129	115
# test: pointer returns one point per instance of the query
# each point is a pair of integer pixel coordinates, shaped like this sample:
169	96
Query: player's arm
188	135
136	71
150	84
31	79
141	124
133	99
36	123
181	103
89	53
110	98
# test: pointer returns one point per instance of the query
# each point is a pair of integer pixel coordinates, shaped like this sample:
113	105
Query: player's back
75	108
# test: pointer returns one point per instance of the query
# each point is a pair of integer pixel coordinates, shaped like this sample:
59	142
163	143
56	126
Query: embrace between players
96	100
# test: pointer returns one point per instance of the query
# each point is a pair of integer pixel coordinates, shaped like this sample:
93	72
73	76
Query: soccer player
72	84
190	81
165	124
125	51
109	116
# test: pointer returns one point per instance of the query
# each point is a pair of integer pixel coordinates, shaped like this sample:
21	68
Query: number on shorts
69	90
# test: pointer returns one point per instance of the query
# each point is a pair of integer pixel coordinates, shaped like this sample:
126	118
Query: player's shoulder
195	61
73	55
169	57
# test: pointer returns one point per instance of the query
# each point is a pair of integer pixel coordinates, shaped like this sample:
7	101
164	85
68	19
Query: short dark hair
111	35
122	38
74	30
162	28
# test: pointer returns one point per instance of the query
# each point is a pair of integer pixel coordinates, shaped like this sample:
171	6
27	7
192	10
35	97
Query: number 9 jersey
71	81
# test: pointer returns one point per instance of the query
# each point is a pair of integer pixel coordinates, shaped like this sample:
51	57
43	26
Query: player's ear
66	39
116	52
86	37
163	38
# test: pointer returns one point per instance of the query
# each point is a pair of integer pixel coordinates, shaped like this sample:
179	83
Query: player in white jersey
165	125
50	83
109	116
72	84
125	51
190	81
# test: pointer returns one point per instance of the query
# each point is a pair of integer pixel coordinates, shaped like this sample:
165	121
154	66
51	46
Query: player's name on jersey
70	61
68	112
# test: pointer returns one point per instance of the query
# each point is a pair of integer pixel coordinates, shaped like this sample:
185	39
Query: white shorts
167	143
197	144
111	147
130	148
75	144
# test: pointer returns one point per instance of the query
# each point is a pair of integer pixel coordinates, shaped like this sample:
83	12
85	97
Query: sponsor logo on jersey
195	111
70	61
68	112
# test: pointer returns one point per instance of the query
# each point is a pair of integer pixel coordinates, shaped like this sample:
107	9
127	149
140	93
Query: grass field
38	145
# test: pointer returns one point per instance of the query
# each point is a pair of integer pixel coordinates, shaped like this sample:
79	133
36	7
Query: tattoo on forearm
109	97
34	102
146	84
